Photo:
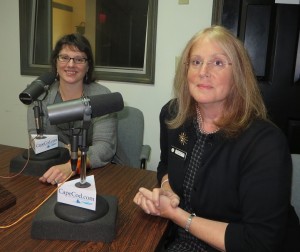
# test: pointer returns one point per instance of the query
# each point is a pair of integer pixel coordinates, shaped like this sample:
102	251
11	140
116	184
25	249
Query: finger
46	176
42	179
137	198
156	195
61	177
51	179
174	198
175	202
148	206
151	207
144	206
170	194
48	173
146	193
167	193
54	176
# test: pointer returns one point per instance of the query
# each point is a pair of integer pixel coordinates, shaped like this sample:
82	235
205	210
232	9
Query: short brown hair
80	42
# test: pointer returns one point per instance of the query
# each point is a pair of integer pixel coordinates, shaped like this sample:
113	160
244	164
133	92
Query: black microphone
75	110
37	87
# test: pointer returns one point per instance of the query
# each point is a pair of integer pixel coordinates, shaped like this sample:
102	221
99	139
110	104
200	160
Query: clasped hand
157	202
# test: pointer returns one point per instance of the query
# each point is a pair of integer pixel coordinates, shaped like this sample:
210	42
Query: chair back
130	137
295	197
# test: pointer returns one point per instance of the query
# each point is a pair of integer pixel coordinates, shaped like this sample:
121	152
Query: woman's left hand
57	174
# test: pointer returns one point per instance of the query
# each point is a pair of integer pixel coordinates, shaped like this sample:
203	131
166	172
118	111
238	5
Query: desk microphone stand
65	211
59	221
38	164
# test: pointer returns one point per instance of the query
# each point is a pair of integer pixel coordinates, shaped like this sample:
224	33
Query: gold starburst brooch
183	138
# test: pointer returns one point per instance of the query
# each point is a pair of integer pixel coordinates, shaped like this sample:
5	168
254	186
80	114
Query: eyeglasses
214	64
76	60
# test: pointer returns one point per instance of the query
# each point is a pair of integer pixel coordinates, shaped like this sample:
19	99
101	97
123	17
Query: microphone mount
38	117
82	141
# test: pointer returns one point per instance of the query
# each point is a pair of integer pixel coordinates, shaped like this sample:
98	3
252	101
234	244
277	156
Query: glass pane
121	33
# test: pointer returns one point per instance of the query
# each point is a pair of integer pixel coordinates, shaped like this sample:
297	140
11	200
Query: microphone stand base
47	225
80	215
38	164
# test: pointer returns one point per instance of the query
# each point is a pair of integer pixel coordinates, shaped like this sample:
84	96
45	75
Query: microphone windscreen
74	110
106	104
68	111
36	88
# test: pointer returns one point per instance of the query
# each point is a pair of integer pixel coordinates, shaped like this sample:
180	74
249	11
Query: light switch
183	1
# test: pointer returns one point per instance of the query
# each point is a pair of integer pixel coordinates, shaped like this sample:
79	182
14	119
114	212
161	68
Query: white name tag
178	152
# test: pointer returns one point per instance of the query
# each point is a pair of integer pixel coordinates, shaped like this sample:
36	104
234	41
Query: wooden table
136	231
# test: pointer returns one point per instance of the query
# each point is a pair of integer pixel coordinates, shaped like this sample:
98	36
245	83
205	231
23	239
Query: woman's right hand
57	174
157	202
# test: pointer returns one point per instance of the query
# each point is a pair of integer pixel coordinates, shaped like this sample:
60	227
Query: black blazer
245	181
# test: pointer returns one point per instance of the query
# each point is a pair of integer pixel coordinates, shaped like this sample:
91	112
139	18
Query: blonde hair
244	102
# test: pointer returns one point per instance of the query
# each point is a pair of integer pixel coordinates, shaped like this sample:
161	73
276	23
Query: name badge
178	152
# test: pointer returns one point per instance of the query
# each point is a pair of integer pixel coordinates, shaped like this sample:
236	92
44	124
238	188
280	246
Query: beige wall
65	22
176	24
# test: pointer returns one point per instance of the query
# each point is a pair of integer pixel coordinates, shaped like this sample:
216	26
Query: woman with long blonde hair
225	169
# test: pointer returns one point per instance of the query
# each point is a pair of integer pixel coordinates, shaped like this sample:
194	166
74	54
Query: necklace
200	123
63	96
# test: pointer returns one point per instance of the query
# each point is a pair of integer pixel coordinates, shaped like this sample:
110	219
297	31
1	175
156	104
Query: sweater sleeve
104	132
104	140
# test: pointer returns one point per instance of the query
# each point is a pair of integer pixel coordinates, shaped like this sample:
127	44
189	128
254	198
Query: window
122	34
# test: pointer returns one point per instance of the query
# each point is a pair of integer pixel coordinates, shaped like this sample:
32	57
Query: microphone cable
25	165
39	205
